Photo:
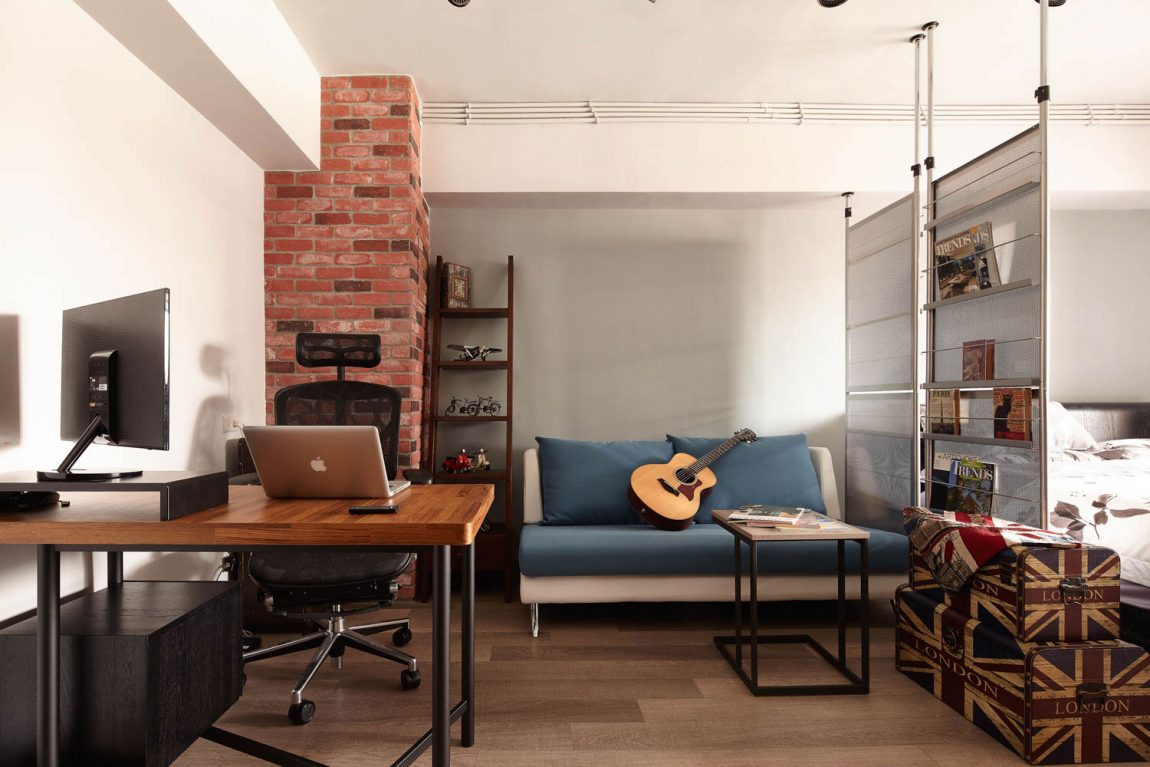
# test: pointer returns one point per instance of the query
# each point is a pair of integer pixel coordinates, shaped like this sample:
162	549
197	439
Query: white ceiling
729	50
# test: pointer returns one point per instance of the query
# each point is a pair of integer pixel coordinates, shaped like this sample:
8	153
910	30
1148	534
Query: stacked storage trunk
1029	652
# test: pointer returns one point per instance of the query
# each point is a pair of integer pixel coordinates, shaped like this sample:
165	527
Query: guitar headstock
746	435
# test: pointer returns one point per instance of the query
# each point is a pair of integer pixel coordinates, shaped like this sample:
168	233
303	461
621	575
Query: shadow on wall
9	381
208	443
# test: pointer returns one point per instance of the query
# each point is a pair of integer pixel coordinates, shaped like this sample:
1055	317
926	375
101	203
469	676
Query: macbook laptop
320	462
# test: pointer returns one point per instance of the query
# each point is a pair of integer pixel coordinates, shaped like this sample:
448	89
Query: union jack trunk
1053	703
1038	594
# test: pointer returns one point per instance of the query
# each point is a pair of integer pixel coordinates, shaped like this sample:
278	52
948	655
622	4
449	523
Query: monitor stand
65	473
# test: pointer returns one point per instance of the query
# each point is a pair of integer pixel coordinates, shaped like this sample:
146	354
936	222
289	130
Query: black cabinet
145	667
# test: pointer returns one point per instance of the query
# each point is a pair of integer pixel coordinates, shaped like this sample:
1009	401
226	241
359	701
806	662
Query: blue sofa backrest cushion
585	483
774	470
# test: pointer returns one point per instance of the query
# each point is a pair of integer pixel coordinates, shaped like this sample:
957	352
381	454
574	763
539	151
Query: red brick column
346	246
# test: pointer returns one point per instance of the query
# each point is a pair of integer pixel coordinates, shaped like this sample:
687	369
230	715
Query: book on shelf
1012	413
965	262
940	478
970	486
978	360
456	286
761	515
944	411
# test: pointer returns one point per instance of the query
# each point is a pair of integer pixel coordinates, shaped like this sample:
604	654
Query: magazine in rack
965	262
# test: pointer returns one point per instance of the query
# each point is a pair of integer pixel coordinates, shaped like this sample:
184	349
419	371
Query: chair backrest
342	402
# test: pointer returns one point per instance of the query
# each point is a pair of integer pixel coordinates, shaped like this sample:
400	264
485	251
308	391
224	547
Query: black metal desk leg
467	683
115	568
738	601
842	603
864	605
754	575
441	657
47	656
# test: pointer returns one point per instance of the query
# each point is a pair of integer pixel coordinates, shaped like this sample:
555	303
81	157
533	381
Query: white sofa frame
584	589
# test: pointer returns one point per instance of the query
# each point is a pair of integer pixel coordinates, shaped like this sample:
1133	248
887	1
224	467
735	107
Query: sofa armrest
532	488
825	471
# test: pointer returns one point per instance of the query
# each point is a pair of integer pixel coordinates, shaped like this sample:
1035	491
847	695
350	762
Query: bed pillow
774	470
586	483
1066	433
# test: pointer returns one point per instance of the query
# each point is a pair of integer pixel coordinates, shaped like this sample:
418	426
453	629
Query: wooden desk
431	518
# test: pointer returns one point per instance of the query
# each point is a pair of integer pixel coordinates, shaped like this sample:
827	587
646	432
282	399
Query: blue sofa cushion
585	483
698	550
774	470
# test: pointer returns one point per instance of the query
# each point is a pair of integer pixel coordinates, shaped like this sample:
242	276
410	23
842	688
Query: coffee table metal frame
858	683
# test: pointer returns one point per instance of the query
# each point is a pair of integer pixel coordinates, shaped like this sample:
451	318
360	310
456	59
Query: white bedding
1106	502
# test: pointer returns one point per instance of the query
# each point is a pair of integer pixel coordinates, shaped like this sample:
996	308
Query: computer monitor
114	379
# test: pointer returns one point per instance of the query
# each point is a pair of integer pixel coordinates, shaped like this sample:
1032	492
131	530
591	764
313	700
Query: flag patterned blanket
955	544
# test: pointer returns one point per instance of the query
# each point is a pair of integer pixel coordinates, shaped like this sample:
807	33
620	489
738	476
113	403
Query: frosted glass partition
881	430
999	194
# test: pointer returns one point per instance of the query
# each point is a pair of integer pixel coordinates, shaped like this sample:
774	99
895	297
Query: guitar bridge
667	487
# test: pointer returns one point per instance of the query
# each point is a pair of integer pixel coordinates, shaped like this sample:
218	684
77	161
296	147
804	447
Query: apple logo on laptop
318	464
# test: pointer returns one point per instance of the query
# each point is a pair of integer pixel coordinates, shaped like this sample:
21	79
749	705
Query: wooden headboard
1113	420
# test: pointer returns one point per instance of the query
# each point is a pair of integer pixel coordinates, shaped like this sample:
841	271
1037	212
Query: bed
1100	492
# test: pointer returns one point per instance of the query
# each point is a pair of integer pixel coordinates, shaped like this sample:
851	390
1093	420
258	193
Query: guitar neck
713	455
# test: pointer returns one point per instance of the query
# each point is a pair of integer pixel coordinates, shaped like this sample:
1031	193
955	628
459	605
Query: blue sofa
594	555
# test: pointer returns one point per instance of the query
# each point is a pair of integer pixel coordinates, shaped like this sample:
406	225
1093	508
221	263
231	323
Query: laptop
320	462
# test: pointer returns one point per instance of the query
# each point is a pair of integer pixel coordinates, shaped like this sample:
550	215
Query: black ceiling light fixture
835	3
1053	3
459	3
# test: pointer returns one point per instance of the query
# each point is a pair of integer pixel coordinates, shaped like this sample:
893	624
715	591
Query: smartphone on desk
387	508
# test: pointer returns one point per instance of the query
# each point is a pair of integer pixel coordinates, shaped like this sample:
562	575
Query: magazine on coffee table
761	515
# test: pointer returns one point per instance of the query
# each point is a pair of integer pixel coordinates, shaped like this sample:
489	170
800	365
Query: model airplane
469	353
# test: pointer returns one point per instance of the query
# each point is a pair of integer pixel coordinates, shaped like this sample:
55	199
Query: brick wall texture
345	247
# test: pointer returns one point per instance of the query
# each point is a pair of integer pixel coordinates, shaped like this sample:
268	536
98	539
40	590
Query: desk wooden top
840	532
428	515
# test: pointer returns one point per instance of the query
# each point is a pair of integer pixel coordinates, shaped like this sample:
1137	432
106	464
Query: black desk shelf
181	492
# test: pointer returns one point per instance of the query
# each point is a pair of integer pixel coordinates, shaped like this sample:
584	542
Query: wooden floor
613	685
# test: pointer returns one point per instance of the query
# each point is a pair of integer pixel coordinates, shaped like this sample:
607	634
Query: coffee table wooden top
428	515
840	532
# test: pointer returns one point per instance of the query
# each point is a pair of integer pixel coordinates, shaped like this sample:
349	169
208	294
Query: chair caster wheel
410	680
251	643
401	637
302	712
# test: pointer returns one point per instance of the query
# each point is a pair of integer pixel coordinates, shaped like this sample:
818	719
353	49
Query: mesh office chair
320	586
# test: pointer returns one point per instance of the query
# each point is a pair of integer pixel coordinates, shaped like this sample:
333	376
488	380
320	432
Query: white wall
631	324
110	184
718	159
1100	273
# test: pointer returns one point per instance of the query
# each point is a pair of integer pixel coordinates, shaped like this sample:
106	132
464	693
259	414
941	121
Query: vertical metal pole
846	346
1043	96
916	302
929	28
47	656
441	657
467	681
925	450
115	568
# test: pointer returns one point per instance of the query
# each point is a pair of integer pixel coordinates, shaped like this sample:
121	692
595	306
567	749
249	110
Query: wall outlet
232	423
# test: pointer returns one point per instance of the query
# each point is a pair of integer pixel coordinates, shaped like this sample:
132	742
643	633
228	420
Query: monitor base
87	476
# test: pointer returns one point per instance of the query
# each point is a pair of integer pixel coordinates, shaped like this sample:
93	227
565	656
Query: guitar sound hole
685	476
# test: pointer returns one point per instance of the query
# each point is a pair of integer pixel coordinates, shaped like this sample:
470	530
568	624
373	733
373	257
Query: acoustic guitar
667	495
